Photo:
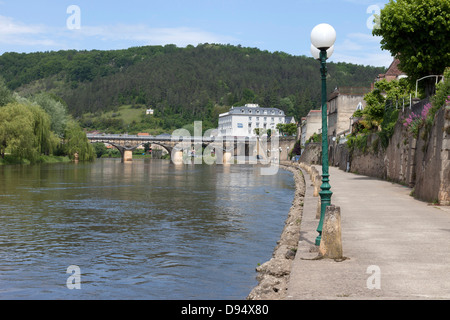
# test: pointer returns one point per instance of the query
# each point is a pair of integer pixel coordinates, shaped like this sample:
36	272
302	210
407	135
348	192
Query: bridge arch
175	145
127	149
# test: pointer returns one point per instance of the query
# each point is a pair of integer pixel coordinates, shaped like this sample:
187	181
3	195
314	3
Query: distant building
392	73
149	112
289	120
309	125
342	104
242	121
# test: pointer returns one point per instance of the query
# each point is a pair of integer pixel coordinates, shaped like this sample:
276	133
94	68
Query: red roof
393	69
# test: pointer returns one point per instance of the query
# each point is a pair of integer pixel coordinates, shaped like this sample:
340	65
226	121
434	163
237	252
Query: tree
5	95
248	96
44	139
55	109
16	132
100	149
385	95
290	129
297	149
280	128
416	32
76	142
25	131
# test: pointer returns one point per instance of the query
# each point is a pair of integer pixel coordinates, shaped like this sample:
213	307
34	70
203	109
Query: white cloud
9	27
361	48
364	37
143	34
15	35
377	59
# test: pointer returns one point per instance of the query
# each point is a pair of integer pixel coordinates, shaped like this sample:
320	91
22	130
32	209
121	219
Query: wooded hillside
181	84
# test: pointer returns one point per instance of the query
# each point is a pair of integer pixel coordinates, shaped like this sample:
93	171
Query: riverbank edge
43	159
273	275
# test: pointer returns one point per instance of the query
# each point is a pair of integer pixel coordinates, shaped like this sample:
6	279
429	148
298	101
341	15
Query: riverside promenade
396	247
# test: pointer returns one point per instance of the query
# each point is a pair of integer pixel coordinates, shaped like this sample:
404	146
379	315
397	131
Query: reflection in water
146	230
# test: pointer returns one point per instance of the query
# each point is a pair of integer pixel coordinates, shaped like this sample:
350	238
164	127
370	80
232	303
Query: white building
242	121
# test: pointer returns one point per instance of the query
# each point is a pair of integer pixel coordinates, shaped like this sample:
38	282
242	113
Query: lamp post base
318	239
325	201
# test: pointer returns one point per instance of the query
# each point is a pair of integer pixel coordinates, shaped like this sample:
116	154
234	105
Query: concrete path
398	247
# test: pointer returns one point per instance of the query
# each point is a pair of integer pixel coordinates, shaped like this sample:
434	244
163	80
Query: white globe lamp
316	52
323	36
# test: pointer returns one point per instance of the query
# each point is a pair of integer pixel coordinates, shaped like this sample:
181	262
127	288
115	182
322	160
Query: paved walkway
398	247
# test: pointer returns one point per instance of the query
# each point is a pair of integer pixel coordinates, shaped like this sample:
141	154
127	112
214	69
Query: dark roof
394	69
246	110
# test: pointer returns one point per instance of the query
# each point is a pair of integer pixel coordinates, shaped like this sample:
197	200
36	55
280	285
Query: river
142	230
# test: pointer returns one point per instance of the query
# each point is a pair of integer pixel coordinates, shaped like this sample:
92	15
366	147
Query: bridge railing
167	138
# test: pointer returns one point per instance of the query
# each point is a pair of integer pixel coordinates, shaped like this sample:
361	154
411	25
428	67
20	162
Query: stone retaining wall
422	164
273	275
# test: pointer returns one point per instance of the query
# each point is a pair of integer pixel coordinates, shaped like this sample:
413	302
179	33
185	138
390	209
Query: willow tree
417	33
76	142
25	131
17	134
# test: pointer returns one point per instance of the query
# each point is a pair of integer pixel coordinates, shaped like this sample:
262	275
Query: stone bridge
225	149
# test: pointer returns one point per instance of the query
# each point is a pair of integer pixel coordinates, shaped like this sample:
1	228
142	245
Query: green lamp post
323	37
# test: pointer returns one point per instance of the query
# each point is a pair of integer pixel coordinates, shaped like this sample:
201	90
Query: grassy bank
9	160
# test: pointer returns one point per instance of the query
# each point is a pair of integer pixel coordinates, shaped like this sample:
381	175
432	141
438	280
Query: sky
275	25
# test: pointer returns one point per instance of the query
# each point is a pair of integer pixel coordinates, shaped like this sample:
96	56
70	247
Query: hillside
182	85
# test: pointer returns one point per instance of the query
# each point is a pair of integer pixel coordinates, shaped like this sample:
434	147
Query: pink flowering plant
414	122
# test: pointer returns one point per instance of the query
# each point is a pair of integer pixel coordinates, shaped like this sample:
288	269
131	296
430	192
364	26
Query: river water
142	230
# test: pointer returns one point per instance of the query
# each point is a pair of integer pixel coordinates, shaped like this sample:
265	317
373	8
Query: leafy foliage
288	129
416	32
384	96
77	142
315	138
380	114
55	109
5	94
28	131
16	131
442	92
